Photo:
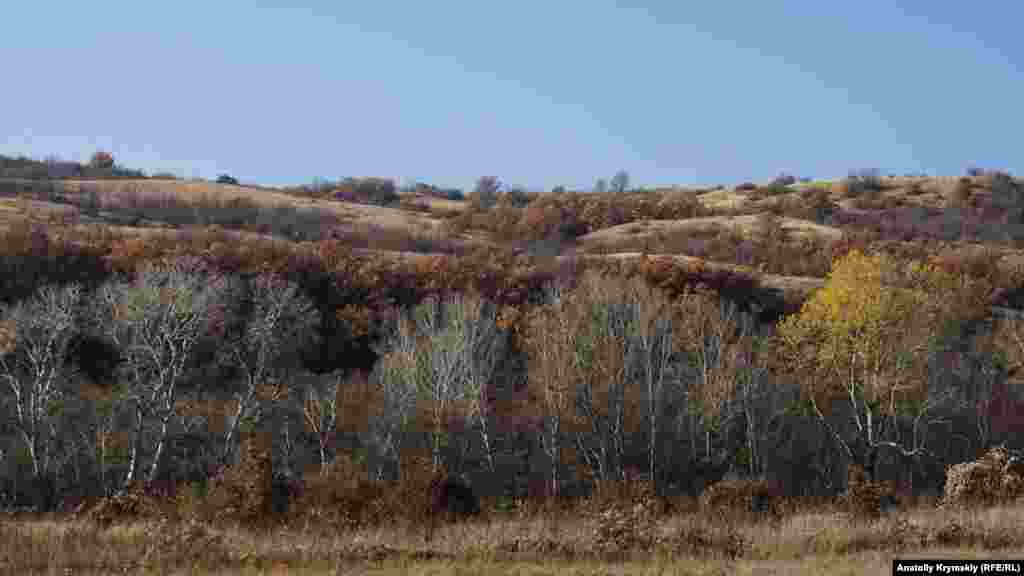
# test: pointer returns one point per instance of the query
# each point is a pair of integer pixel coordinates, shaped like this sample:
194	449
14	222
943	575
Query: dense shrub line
379	191
101	167
564	217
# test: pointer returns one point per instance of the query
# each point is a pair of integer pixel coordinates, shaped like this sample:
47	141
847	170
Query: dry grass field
205	192
823	542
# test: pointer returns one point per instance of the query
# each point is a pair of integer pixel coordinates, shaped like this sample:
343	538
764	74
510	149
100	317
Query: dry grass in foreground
824	542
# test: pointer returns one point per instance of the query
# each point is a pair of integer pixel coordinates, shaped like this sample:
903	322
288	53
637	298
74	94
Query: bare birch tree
627	348
654	332
32	368
711	339
554	371
280	321
447	351
604	350
320	411
751	393
394	379
158	321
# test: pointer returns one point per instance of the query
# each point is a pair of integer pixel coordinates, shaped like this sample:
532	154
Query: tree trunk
555	453
323	454
101	448
652	446
755	465
229	437
30	444
133	456
154	466
618	431
486	438
871	464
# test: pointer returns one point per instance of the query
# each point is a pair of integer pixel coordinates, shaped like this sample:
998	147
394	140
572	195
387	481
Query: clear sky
538	93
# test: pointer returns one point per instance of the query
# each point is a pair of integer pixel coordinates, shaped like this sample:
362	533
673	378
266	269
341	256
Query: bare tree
753	391
447	352
654	331
486	191
605	347
394	380
732	376
280	321
554	371
486	346
620	181
626	346
320	411
32	368
710	338
98	434
158	322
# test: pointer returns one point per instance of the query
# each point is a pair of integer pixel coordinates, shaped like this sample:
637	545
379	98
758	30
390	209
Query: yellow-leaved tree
863	341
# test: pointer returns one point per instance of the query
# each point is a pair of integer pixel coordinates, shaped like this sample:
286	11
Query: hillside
565	375
416	226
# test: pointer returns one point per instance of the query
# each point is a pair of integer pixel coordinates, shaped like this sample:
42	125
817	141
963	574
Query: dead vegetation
741	498
866	498
804	541
996	477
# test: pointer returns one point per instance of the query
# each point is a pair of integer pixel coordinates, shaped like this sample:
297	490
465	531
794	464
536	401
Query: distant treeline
382	191
100	166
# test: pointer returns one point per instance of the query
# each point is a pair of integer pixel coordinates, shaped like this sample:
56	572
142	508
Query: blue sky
537	93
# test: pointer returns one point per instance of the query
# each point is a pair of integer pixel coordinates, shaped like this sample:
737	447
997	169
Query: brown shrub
134	504
342	498
626	522
998	476
738	497
695	539
843	189
620	528
244	492
865	498
572	215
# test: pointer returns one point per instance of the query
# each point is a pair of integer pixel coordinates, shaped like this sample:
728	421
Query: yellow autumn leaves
863	332
854	312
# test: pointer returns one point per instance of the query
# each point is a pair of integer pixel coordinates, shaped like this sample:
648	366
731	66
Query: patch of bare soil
382	216
724	199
